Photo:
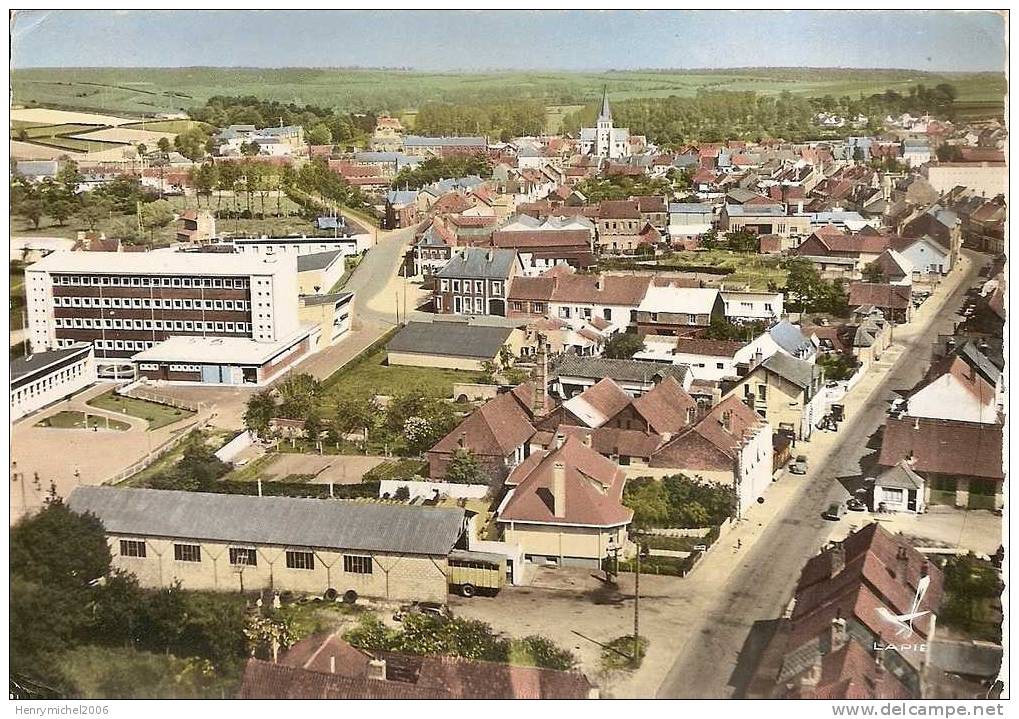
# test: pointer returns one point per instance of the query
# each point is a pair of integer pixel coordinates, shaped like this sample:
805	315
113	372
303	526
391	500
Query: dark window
353	564
300	560
187	552
243	555
132	548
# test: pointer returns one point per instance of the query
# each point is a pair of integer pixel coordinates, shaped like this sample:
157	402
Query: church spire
606	111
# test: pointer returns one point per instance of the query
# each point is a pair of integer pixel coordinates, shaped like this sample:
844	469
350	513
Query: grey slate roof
973	356
450	339
480	263
691	207
901	475
755	210
401	197
312	300
279	521
316	261
420	141
622	370
800	372
37	363
791	338
38	168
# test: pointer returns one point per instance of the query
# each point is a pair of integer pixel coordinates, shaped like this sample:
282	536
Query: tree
623	345
60	210
94	209
837	366
356	413
31	210
164	145
319	135
69	178
464	468
204	178
59	548
142	149
260	410
648	500
872	272
298	394
488	370
250	149
156	214
742	241
312	427
191	143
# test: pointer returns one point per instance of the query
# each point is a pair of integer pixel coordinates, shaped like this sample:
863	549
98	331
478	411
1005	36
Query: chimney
462	440
716	396
837	554
586	439
540	400
839	635
332	665
559	489
879	662
727	420
599	283
376	669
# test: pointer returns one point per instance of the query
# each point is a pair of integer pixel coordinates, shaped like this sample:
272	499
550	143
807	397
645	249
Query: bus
471	572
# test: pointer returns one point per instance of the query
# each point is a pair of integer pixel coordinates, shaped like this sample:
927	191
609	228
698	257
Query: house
529	296
941	225
613	298
498	433
668	309
916	152
434	248
894	301
925	256
956	389
619	224
564	506
197	226
401	209
785	391
840	640
453	345
388	134
653	211
749	306
763	220
476	282
689	220
731	445
584	339
326	667
894	268
542	250
572	375
332	313
40	379
37	170
961	462
862	249
791	340
871	336
708	360
898	489
231	542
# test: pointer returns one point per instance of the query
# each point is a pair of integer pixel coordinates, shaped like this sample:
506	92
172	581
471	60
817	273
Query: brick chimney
559	489
599	283
839	635
540	399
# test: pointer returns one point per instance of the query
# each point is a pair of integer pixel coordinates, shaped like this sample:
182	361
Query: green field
157	415
153	90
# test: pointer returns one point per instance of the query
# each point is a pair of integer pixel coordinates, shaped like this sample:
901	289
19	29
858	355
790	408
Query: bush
619	653
678	501
668	566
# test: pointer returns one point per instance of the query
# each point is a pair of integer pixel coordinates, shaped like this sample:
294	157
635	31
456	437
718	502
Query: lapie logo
904	622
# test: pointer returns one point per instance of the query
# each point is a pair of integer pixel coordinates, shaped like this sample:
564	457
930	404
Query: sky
525	40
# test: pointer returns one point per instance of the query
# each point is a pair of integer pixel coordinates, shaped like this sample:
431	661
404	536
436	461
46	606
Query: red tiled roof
531	288
495	429
709	444
615	289
593	489
619	210
605	398
471	220
981	154
651	203
451	203
666	406
941	446
851	672
265	680
542	238
880	295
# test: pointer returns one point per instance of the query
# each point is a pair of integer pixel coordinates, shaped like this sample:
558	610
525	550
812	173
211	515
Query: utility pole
636	608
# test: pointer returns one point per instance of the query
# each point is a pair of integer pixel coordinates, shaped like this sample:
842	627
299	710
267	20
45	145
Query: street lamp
642	552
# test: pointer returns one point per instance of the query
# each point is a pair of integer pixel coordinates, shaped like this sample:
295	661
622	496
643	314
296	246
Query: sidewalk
705	587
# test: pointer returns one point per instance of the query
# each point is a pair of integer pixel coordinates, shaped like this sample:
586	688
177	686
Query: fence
158	452
135	391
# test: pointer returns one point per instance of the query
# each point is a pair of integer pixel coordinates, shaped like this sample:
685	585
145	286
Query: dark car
855	505
433	608
835	511
799	465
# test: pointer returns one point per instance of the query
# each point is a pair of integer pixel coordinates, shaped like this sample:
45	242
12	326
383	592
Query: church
605	141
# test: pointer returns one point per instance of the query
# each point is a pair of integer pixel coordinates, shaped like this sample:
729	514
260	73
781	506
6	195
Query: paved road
722	650
377	292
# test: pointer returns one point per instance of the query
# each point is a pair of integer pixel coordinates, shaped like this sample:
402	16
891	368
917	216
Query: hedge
291	489
669	566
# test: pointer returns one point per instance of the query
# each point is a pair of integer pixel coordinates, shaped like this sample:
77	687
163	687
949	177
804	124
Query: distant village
641	382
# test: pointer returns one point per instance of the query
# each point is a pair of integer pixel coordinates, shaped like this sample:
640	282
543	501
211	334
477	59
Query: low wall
426	490
475	392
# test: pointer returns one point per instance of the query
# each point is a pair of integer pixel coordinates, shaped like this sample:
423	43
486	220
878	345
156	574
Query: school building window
187	552
353	564
300	560
243	556
132	548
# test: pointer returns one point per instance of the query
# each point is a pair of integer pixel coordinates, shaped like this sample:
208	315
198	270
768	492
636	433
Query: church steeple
606	111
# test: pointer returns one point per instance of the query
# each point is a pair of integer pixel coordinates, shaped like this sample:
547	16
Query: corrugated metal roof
280	521
38	362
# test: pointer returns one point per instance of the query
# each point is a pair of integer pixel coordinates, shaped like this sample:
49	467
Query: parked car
855	505
835	511
799	465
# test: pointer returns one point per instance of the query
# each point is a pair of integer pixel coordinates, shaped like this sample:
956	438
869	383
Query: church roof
606	111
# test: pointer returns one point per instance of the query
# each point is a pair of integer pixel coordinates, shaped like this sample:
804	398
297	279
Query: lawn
734	268
76	420
371	374
157	415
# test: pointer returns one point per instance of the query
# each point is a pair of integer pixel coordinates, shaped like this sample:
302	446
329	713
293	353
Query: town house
476	282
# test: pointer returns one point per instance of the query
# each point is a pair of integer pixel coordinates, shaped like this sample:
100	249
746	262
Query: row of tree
506	120
440	168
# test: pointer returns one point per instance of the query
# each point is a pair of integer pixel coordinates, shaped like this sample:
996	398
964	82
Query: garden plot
126	135
55	117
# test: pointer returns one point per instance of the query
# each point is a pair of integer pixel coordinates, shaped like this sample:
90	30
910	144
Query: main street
720	651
